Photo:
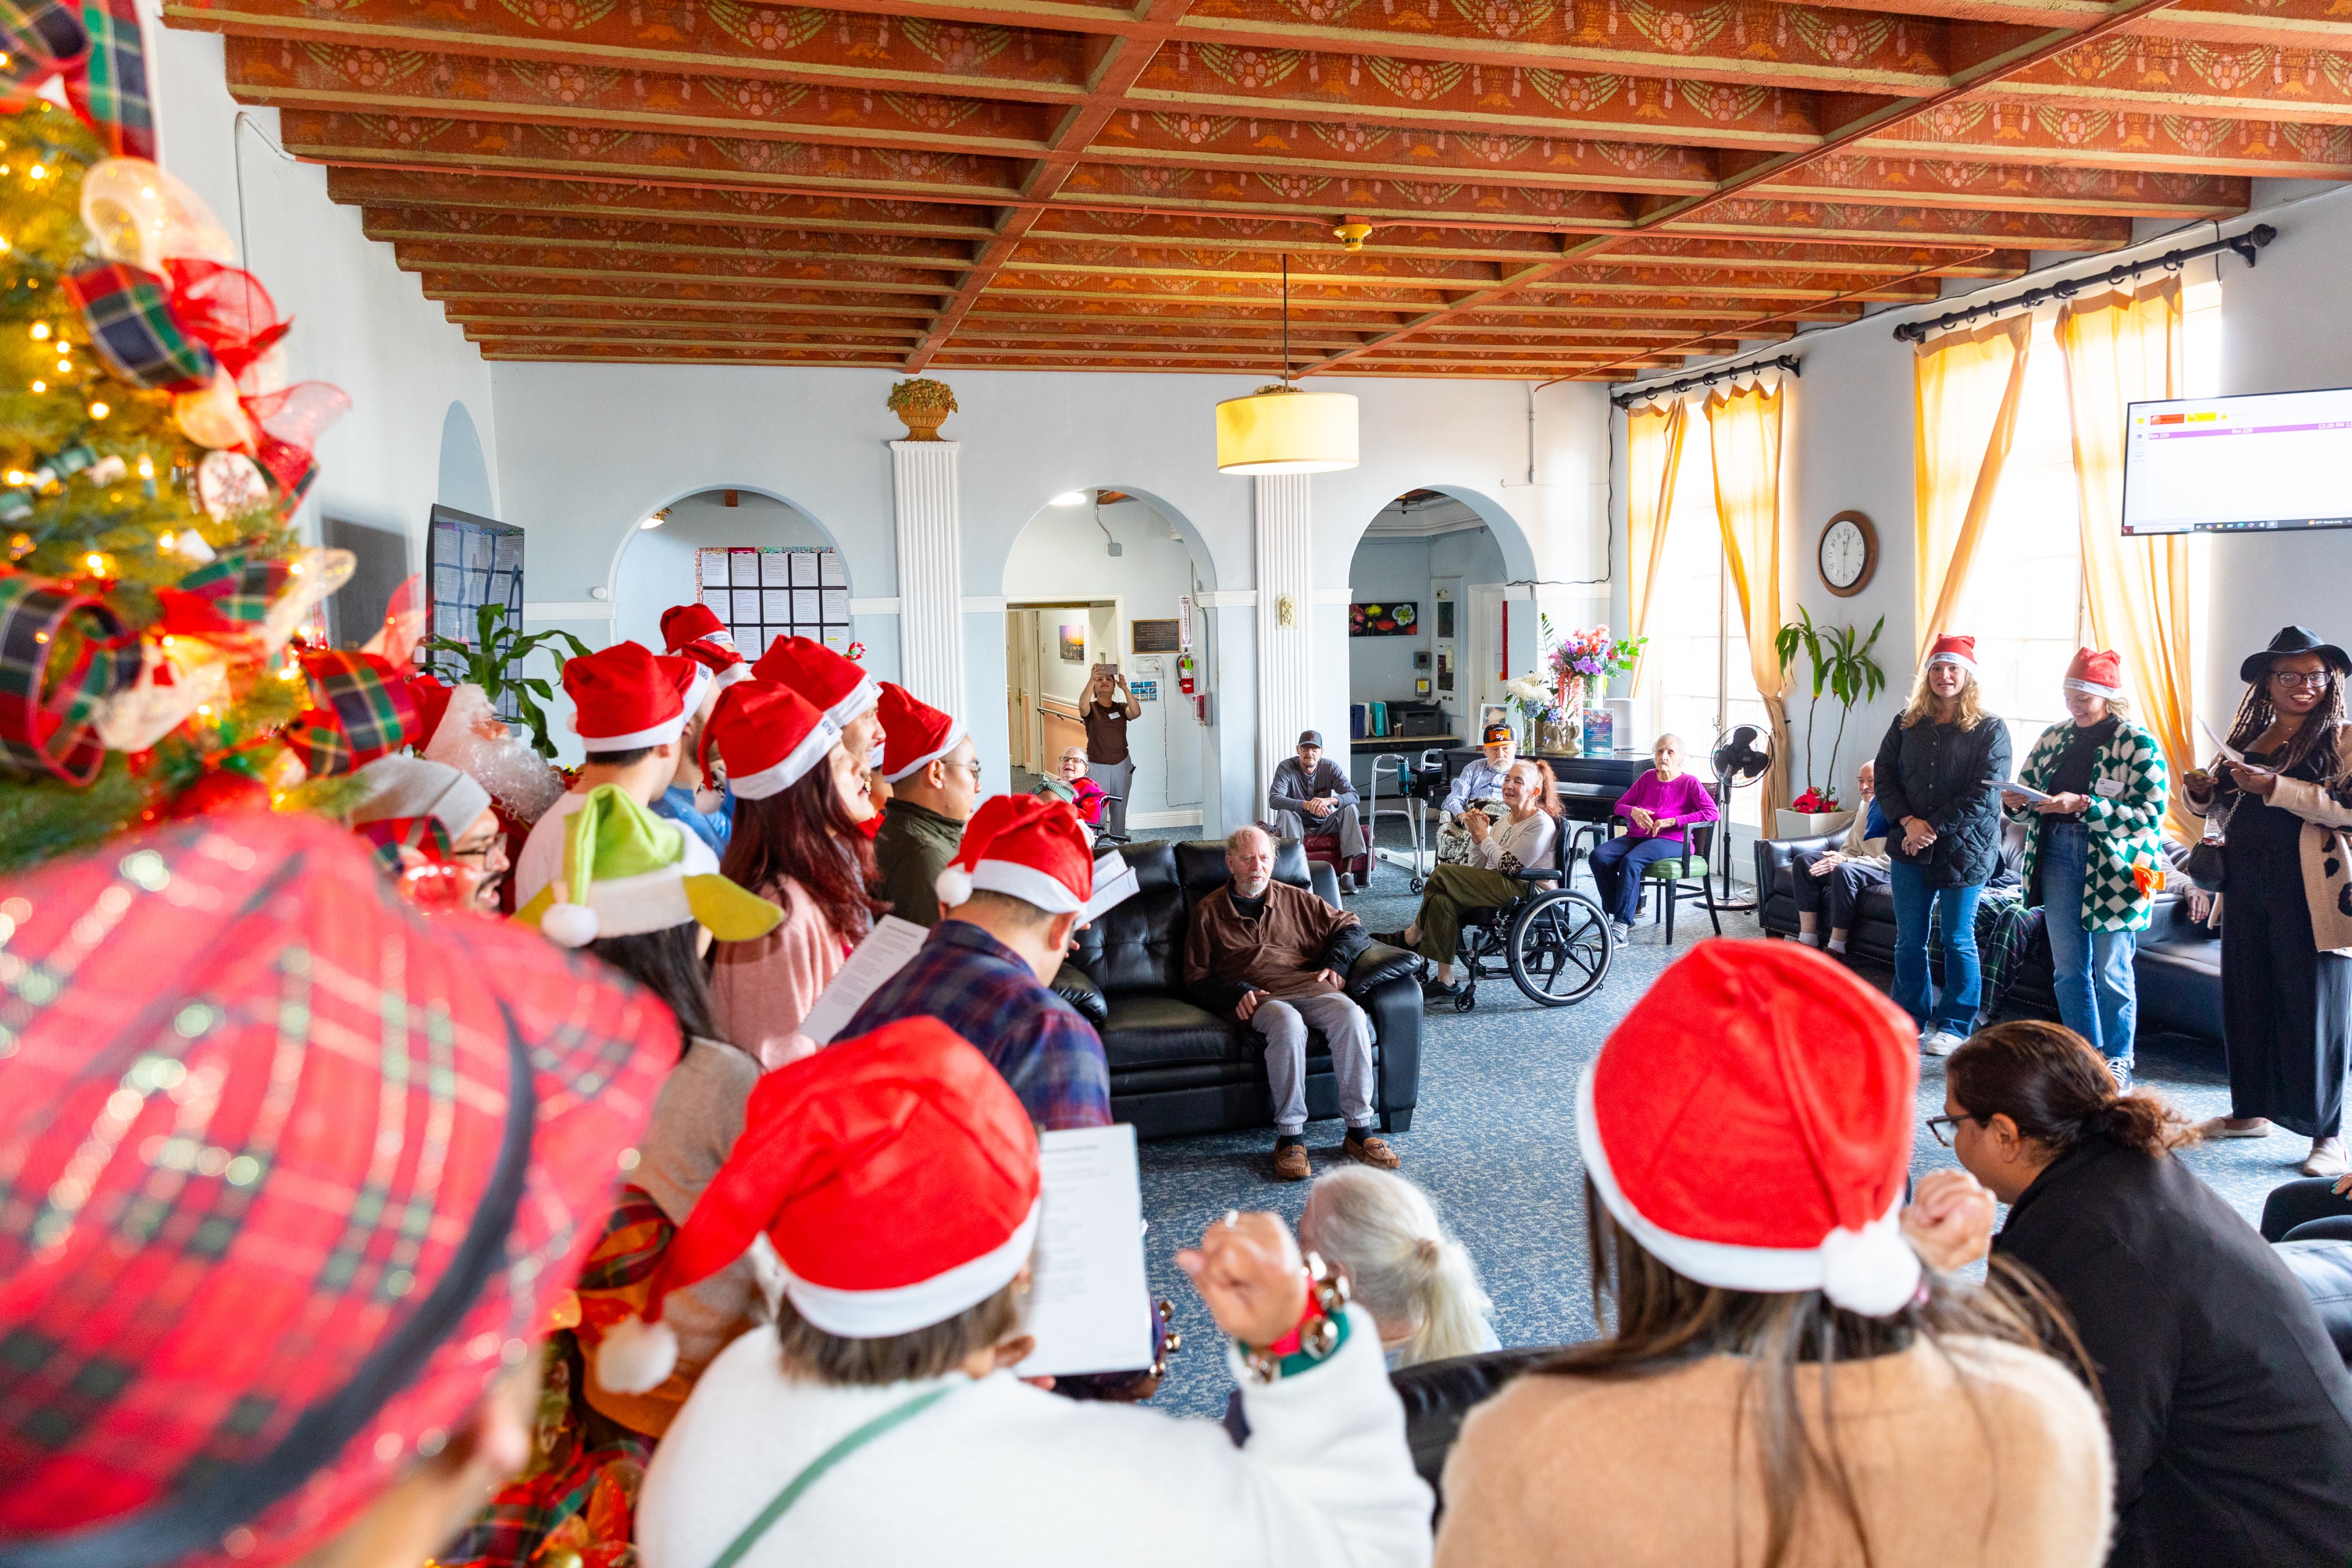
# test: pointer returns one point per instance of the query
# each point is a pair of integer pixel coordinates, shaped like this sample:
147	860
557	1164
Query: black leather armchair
1176	1069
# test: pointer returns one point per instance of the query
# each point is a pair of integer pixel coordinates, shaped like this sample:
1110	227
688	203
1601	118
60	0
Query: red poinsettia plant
1814	802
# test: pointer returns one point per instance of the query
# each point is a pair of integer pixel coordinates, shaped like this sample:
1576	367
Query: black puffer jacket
1939	772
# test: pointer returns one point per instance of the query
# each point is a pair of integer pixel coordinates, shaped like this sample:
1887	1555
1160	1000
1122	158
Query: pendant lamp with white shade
1279	429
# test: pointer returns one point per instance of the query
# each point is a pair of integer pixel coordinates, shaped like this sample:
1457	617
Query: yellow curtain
1965	387
1743	430
1654	457
2122	348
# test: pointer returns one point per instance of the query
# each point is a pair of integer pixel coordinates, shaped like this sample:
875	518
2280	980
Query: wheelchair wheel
1418	883
1560	948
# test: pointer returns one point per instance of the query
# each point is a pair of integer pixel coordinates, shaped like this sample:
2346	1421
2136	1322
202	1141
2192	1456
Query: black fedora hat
2293	639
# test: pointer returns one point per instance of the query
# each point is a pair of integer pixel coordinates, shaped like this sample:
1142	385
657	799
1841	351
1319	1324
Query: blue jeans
1617	868
2096	996
1955	1005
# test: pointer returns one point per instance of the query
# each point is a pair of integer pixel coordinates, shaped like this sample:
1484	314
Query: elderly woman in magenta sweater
1662	804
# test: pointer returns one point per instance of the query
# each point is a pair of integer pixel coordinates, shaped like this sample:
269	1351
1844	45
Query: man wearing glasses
933	771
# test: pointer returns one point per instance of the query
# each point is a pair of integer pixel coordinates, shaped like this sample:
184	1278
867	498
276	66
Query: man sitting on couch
1274	957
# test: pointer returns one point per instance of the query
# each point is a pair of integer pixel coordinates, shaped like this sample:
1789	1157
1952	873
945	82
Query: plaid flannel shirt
985	991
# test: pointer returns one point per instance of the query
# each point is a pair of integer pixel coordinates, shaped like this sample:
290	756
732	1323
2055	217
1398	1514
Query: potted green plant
922	406
494	661
1841	666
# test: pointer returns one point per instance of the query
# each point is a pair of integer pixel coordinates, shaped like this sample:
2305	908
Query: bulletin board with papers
766	593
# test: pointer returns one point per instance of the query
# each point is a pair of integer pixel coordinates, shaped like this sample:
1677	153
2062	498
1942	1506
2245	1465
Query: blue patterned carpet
1493	1143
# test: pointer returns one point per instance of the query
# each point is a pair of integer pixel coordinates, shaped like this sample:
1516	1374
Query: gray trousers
1349	1033
1119	779
1345	822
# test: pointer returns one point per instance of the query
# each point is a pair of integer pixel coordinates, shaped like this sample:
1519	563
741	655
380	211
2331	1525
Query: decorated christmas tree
156	653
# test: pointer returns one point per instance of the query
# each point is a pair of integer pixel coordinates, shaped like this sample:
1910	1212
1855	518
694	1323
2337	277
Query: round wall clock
1848	553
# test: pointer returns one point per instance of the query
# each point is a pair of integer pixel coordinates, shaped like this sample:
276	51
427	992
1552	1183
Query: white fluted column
930	573
1286	672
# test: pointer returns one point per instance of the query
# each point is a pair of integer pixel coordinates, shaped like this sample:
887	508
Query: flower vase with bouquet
1579	668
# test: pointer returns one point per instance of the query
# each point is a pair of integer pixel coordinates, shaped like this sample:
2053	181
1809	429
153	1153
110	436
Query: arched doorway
1115	577
767	567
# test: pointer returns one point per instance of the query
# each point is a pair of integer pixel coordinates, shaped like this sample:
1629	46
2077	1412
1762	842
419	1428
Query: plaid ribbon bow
228	598
48	715
361	709
96	47
132	323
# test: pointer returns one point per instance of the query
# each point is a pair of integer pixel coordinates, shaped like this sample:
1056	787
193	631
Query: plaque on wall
1155	636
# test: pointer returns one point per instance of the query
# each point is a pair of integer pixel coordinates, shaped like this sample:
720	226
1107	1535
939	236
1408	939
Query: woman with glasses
2229	1409
2278	798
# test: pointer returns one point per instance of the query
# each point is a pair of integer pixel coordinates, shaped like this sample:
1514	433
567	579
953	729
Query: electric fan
1740	758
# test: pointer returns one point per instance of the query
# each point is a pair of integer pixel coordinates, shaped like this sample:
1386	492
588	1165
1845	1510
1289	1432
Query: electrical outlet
1117	548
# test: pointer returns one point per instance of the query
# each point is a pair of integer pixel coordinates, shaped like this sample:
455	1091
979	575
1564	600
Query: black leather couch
2178	963
1176	1069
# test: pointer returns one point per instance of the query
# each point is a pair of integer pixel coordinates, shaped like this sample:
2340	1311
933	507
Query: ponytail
1403	1267
2048	1080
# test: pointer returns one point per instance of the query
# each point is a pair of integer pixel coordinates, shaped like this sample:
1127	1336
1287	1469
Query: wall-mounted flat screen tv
2237	465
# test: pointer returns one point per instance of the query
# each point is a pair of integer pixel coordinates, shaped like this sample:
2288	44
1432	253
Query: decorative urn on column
922	406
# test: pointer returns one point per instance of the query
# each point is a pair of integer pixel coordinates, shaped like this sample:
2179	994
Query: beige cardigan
2000	1460
2326	847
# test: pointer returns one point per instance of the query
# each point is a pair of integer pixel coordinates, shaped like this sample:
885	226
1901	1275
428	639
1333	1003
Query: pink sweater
1684	800
761	989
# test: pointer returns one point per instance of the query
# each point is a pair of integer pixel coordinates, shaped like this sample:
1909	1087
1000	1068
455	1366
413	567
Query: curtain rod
1789	362
2247	245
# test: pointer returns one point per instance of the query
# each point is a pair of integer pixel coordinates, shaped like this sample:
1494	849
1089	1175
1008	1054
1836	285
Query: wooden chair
1677	877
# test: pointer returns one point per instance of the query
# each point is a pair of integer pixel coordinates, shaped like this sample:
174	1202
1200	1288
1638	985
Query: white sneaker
1621	932
1941	1042
2327	1158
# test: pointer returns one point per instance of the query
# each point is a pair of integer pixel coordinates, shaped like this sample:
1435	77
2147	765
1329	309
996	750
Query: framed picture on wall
1446	617
1073	642
1395	619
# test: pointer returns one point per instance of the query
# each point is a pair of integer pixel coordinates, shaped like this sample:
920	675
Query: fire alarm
1351	233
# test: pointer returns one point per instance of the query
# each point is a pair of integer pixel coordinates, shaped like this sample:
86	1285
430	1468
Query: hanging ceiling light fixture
1279	429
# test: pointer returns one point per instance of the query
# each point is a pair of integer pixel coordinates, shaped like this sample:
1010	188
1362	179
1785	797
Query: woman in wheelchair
1524	837
1661	805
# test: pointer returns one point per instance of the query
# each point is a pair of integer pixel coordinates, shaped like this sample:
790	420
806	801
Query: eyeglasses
2310	680
1940	1125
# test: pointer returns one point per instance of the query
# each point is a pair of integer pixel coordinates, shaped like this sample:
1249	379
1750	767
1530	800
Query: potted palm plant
1841	666
493	660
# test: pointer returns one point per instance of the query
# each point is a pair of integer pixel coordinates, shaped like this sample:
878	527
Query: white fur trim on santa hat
862	698
1027	883
2092	688
699	687
954	739
814	747
1967	664
734	672
661	734
630	905
1872	1270
880	1314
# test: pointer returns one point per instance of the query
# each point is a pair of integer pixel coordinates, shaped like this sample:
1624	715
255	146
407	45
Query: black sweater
2230	1410
1940	772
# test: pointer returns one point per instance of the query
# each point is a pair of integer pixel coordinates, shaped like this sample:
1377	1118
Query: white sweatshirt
1001	1475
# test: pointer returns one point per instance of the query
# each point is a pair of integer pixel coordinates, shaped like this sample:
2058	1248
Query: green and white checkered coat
2126	818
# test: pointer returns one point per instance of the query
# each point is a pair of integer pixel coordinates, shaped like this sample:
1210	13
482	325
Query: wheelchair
1553	941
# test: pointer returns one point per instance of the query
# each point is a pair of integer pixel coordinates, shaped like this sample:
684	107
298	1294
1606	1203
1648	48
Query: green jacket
2126	821
914	846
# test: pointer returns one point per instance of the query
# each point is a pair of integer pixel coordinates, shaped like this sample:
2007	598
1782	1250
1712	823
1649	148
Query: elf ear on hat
839	688
918	734
769	737
622	874
2096	674
895	1175
1959	650
1748	1123
1030	848
696	632
624	696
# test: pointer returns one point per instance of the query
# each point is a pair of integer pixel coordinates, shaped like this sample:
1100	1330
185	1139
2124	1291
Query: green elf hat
626	867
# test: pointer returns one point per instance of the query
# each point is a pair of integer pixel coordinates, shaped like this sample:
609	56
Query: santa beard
472	740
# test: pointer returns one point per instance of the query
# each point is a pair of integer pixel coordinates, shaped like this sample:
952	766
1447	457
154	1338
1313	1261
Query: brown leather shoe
1290	1164
1370	1148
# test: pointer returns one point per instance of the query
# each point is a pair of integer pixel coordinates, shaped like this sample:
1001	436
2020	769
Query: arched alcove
464	481
1061	572
655	568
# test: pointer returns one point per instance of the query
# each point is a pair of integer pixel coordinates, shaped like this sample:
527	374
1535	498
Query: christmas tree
153	657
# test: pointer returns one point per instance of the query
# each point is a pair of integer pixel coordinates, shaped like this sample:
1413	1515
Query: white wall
360	321
657	567
1379	670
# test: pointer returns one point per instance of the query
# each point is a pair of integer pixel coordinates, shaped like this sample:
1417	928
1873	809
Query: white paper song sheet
2219	744
1115	883
1089	1302
884	952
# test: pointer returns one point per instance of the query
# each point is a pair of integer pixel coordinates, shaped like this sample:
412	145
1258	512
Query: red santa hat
1028	848
918	734
769	737
432	699
894	1176
1959	651
841	690
1748	1123
2096	674
626	696
696	632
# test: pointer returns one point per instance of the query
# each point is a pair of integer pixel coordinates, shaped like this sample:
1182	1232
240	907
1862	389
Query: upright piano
1589	787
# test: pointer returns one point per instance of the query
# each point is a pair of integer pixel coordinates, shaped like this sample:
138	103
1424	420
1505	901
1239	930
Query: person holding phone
2279	807
2094	854
1110	707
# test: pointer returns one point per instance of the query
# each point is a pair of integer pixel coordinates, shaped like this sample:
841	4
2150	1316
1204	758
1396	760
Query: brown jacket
1226	956
1976	1452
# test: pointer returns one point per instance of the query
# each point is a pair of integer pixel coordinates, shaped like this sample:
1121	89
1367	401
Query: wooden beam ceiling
1588	188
